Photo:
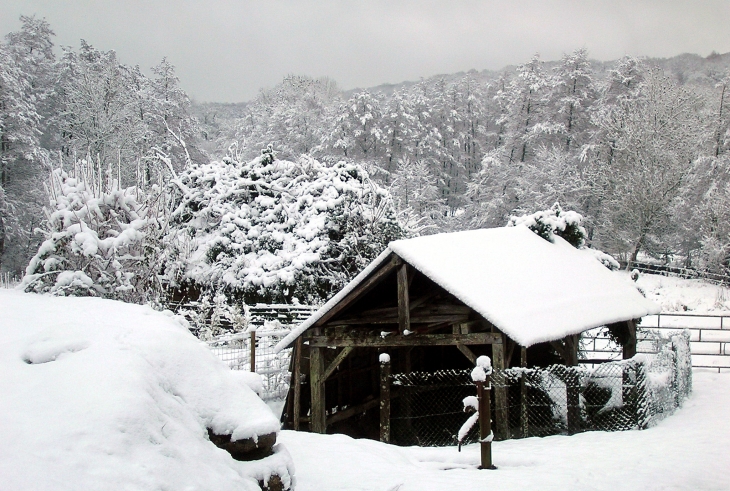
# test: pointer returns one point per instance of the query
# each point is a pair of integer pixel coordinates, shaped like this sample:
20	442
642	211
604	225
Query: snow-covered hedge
272	230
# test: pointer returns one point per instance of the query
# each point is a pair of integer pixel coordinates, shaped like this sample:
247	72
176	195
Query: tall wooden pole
523	393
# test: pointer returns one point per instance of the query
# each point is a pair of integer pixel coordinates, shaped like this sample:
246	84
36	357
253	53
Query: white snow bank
679	294
98	394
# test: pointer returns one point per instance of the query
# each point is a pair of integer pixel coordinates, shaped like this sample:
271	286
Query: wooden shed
437	302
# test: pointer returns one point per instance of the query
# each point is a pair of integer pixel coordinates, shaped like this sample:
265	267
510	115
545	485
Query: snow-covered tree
275	230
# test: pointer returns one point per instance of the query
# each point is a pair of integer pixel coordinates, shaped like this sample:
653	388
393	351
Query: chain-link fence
628	394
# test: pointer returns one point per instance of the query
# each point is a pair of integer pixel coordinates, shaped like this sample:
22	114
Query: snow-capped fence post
384	397
480	375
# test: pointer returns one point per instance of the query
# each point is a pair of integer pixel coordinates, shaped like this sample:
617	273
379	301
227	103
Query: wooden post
572	383
316	386
253	351
523	394
404	310
385	398
296	383
485	424
501	410
630	347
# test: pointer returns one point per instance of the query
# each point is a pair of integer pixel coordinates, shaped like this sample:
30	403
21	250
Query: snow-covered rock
99	394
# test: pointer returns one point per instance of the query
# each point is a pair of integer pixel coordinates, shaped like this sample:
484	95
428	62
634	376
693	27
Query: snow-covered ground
97	394
687	451
678	294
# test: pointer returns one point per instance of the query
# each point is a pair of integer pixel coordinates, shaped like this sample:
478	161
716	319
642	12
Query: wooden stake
385	401
630	347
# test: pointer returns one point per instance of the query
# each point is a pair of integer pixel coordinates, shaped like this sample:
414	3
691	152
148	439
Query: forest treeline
638	147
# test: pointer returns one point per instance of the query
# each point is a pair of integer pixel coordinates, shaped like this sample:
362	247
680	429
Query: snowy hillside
98	394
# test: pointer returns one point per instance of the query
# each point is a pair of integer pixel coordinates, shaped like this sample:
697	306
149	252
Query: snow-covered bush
272	230
99	238
549	223
566	224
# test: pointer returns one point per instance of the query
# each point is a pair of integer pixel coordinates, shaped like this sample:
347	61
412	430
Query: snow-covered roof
531	289
99	394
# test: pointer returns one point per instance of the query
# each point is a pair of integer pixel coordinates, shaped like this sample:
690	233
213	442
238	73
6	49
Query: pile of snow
99	394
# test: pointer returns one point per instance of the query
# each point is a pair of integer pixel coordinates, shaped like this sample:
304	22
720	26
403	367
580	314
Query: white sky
226	50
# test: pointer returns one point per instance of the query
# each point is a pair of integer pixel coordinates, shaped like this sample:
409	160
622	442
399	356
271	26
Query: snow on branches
97	238
273	230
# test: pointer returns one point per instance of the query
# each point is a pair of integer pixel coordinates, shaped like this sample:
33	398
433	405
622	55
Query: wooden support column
404	310
384	398
630	346
316	386
524	423
572	383
501	410
296	383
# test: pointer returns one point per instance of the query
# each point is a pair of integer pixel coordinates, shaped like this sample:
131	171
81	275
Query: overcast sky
226	50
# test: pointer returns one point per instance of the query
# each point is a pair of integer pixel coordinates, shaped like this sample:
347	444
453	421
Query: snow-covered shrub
549	223
272	230
566	224
99	238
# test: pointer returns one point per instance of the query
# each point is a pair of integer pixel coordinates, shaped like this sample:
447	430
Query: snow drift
98	394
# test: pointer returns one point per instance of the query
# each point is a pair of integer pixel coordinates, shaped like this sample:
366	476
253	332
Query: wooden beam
464	329
404	310
413	319
336	362
396	340
316	386
353	410
361	289
392	312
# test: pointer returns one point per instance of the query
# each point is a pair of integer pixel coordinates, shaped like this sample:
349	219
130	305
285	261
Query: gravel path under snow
687	451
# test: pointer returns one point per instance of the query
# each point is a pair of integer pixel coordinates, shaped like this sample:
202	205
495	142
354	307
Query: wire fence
235	350
8	280
614	396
